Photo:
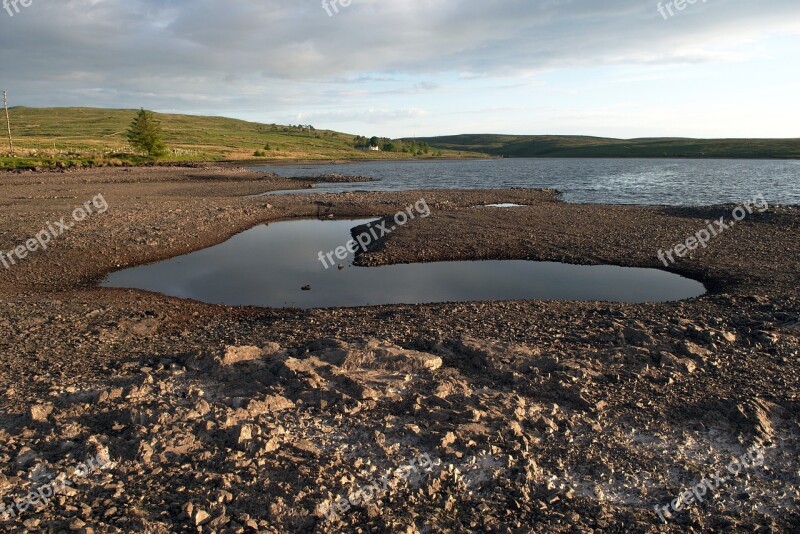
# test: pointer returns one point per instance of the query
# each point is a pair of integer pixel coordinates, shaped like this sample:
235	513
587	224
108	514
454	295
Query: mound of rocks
268	438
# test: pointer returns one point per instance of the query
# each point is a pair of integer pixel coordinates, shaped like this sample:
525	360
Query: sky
404	68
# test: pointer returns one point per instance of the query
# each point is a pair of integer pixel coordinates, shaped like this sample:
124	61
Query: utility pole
8	122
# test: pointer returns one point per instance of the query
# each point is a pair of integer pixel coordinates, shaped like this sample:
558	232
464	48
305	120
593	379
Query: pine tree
145	134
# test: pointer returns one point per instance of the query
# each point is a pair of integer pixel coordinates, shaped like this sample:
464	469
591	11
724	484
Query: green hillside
585	147
91	136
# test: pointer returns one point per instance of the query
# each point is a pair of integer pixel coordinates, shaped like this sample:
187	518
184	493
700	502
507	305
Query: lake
602	181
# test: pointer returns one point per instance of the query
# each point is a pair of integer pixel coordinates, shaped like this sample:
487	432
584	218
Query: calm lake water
268	266
600	181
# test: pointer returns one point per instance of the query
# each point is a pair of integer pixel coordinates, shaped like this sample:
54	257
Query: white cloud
281	56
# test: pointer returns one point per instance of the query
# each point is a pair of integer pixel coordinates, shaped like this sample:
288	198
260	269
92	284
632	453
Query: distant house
370	148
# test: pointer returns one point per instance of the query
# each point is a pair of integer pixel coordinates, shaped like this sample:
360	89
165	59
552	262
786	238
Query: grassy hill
555	146
45	137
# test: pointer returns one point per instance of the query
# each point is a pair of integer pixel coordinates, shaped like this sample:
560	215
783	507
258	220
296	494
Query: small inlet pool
278	266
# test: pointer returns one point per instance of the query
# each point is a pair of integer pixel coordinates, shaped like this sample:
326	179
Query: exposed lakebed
270	264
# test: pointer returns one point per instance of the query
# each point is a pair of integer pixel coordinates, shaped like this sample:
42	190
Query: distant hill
94	136
557	146
47	137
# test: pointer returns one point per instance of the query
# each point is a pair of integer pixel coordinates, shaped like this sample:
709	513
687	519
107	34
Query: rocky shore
536	416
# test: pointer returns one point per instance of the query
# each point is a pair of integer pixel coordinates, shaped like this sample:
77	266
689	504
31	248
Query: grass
584	147
75	137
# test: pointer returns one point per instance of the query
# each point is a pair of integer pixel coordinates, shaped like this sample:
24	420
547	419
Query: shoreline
321	162
564	414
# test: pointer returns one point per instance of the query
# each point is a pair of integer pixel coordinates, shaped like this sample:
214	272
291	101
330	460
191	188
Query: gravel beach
535	416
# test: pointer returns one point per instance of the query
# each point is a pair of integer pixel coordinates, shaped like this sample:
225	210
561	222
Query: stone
693	350
636	335
200	517
684	365
728	336
244	433
270	404
234	355
40	412
145	452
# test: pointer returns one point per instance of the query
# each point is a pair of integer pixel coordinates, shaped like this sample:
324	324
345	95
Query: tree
145	134
373	141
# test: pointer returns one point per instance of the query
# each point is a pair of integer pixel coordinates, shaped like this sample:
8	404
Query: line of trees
408	146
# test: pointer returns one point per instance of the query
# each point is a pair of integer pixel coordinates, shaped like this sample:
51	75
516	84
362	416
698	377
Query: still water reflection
268	265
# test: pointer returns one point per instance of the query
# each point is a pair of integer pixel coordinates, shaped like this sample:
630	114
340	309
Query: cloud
368	116
238	55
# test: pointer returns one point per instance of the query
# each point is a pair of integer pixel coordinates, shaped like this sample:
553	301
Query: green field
70	137
50	137
544	146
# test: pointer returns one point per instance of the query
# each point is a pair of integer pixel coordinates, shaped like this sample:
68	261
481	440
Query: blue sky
720	68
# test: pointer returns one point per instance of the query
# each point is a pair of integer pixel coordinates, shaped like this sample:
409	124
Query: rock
224	496
728	336
448	439
306	288
430	361
145	452
546	424
684	365
234	355
636	335
768	338
704	335
270	446
516	428
200	517
753	418
693	350
308	447
40	412
270	404
244	433
271	349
